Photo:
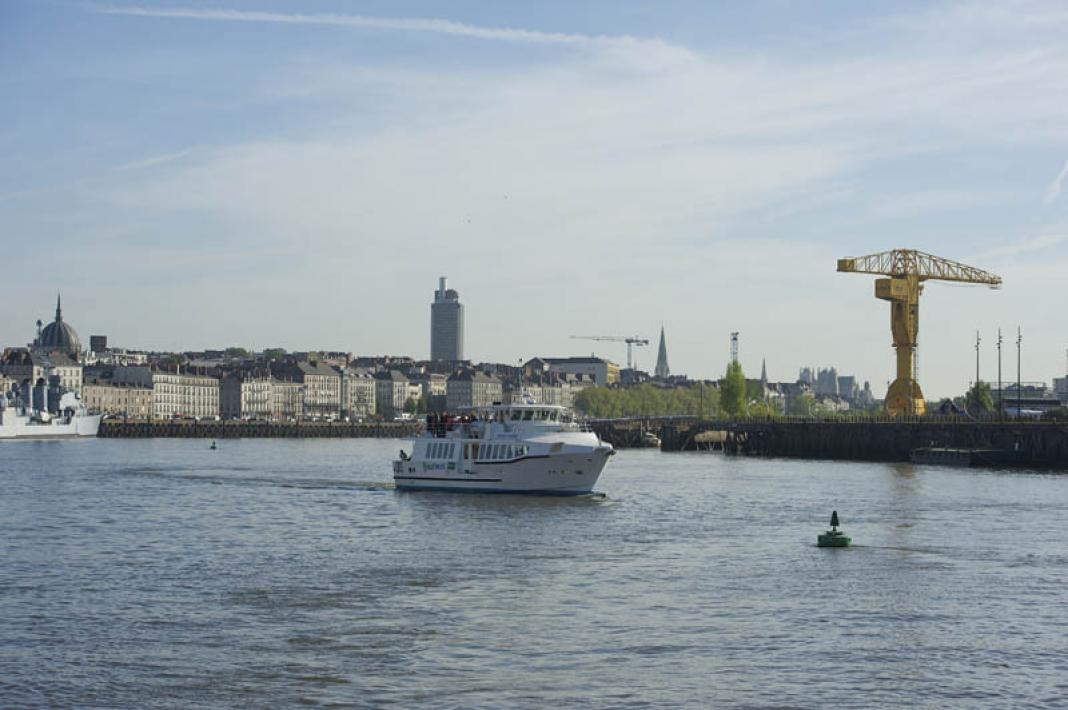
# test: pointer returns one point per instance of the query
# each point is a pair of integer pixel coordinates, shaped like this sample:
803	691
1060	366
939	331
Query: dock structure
1042	444
236	429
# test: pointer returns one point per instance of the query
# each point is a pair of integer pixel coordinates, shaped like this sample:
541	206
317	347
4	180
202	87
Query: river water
157	573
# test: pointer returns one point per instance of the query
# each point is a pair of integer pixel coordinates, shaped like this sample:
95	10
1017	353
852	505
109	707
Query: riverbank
237	429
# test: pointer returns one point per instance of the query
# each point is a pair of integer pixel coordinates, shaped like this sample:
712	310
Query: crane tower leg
904	396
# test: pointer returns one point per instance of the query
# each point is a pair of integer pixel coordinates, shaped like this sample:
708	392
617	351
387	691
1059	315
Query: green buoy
833	537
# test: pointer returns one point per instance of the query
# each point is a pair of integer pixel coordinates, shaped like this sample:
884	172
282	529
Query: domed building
58	335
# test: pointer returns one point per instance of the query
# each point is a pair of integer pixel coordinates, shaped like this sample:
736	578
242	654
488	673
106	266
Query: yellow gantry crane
907	269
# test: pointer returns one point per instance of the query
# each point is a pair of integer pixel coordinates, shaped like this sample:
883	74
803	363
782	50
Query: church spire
662	369
59	308
764	371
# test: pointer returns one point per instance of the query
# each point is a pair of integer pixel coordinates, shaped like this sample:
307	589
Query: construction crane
907	269
631	341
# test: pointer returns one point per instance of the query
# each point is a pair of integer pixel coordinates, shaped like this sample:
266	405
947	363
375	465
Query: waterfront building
391	392
662	370
322	389
26	365
602	372
629	377
58	336
472	388
547	391
430	384
246	395
446	324
848	388
1060	389
174	393
357	393
321	385
287	399
102	395
827	381
116	356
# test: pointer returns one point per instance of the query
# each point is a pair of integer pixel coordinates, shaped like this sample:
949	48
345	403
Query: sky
299	174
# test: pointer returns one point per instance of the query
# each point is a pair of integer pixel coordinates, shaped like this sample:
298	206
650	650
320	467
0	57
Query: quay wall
1037	444
1027	443
130	429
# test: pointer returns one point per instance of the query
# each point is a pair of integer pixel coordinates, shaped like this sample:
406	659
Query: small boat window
508	452
528	415
552	416
516	415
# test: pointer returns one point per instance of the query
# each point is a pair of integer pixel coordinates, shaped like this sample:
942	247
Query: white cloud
926	201
1024	246
403	24
1053	192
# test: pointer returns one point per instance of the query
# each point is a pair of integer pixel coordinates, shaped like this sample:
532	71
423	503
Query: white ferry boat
69	419
518	448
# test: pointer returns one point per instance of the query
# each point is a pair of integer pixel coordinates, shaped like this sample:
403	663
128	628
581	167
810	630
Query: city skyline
283	175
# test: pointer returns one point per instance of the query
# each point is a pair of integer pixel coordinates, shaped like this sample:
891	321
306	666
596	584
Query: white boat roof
507	407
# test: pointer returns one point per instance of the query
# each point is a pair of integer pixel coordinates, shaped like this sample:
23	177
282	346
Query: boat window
516	415
528	415
508	452
452	450
496	451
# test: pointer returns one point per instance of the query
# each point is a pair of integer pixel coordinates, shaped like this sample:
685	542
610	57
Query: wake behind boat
518	448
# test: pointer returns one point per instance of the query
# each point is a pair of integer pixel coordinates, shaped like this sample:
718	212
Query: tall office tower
662	369
446	324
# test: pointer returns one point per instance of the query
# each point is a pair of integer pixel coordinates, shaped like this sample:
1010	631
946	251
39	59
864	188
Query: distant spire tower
662	369
764	371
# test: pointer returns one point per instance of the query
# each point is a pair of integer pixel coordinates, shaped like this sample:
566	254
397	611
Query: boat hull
19	428
567	473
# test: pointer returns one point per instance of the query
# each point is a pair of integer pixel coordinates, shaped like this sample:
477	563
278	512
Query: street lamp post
1019	340
1001	393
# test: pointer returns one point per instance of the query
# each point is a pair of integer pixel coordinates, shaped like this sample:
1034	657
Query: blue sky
196	174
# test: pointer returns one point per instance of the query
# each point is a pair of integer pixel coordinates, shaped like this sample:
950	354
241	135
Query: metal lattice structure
631	341
910	262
